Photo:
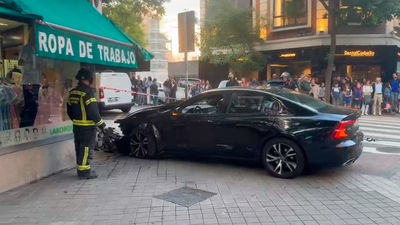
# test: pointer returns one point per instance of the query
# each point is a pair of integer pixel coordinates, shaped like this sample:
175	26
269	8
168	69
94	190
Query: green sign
68	46
61	130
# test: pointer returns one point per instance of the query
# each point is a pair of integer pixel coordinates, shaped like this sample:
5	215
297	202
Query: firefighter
83	111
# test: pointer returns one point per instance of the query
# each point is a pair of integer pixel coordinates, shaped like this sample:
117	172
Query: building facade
158	44
296	39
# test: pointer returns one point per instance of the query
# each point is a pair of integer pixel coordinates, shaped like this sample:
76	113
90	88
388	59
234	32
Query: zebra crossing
381	134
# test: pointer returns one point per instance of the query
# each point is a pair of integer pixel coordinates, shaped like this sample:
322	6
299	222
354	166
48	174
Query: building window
289	13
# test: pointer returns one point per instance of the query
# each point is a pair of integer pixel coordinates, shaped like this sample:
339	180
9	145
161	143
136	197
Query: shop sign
31	134
68	46
359	53
288	55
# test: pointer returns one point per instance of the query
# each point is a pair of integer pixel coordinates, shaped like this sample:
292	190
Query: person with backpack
154	91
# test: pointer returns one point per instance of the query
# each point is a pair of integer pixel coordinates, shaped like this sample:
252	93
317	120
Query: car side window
255	103
209	105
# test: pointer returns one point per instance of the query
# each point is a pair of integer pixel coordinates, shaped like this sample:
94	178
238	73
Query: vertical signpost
186	22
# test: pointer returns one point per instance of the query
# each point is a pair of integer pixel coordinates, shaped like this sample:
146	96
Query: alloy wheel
139	145
282	159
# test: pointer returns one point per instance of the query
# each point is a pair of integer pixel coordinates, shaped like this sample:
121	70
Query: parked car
114	91
283	129
191	81
223	83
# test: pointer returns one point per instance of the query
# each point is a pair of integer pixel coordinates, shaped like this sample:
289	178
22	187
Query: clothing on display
7	97
31	98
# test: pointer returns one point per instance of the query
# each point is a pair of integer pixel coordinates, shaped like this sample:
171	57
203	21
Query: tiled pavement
245	194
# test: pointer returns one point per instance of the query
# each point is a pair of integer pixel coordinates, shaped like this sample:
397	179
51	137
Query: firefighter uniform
83	110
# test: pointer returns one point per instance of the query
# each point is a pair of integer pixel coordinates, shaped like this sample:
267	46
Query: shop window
33	93
289	13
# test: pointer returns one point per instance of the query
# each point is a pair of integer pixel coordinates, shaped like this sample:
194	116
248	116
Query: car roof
268	90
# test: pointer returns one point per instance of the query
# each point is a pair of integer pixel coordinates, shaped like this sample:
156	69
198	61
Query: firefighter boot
88	174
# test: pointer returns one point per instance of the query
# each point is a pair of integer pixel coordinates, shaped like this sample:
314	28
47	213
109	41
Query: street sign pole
186	23
185	46
187	75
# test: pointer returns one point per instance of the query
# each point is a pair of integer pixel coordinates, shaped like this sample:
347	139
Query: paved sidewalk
124	194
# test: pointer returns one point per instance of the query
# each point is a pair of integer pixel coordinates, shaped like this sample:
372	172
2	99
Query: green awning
80	21
15	15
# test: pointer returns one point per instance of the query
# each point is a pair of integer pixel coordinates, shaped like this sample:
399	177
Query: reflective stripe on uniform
85	156
99	123
83	123
90	101
83	109
83	167
80	93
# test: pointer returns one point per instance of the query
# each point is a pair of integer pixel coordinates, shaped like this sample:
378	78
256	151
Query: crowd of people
146	90
199	87
369	96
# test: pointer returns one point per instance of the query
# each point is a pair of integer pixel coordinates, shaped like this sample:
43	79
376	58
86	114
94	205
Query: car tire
283	158
126	109
142	144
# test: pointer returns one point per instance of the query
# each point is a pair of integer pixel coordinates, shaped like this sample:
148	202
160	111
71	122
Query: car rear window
305	100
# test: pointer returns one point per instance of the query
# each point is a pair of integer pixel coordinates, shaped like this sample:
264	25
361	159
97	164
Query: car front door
249	119
194	121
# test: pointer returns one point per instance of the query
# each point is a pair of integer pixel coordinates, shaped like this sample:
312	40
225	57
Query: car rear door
248	121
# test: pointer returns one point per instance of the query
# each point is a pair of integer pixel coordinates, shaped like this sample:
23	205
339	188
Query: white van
114	91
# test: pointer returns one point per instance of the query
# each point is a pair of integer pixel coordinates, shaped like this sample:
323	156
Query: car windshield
304	100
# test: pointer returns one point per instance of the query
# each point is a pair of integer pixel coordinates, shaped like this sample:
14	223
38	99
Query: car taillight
101	93
340	131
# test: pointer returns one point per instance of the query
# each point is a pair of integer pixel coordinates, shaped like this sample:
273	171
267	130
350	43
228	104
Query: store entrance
360	72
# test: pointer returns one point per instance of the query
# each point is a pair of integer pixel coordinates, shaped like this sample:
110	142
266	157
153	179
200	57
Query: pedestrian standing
342	86
142	91
83	110
148	85
336	92
154	91
358	95
289	82
135	81
367	90
348	93
394	94
377	95
321	94
314	92
174	89
244	82
167	89
232	81
386	96
207	85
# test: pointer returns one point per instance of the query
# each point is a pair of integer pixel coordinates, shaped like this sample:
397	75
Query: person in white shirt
377	93
367	90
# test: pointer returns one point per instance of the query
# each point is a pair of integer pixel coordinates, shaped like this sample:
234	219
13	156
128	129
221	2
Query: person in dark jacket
232	82
83	110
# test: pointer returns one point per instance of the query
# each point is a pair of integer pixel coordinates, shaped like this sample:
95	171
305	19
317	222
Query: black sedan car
283	129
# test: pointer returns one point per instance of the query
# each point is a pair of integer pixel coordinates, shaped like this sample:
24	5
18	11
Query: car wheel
283	158
126	109
142	144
